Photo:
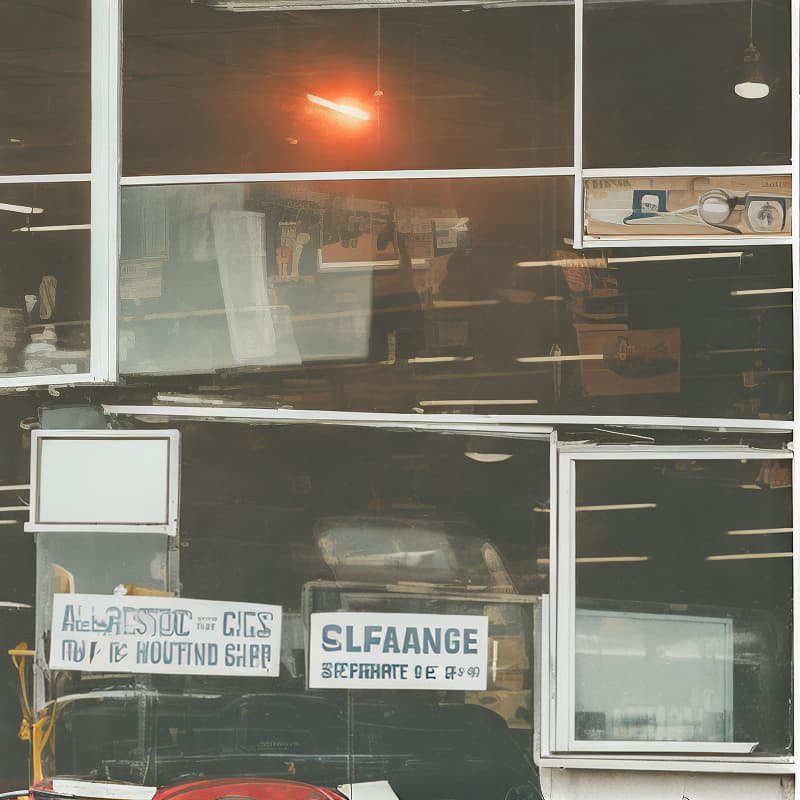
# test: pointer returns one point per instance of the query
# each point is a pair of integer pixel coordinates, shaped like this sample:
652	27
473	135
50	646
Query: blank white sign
113	480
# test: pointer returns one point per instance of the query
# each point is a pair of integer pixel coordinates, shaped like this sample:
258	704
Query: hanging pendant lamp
752	83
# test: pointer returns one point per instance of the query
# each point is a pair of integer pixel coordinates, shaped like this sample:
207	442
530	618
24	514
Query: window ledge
769	765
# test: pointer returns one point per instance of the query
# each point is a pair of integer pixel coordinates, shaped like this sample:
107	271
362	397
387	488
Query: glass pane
209	90
45	92
92	709
322	519
441	295
659	208
659	82
684	598
470	743
44	281
94	563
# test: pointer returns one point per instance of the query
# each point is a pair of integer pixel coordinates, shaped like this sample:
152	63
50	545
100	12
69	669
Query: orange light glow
349	111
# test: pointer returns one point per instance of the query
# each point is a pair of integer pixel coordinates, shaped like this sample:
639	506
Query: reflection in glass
683	619
443	552
44	283
654	677
294	506
441	295
664	207
459	746
45	93
659	84
209	90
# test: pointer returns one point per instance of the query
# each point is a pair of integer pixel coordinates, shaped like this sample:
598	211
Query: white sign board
350	650
165	635
103	790
124	481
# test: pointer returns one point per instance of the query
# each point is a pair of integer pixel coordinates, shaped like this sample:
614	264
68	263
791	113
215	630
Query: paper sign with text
166	635
350	650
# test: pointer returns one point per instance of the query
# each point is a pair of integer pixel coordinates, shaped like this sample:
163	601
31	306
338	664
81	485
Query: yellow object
133	589
37	732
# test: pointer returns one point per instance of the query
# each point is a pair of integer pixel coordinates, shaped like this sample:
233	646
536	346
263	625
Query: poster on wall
164	635
621	361
362	650
688	206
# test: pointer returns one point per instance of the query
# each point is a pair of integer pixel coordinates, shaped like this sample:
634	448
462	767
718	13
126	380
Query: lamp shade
752	84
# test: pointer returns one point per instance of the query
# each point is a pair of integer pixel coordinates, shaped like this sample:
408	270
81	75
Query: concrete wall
574	784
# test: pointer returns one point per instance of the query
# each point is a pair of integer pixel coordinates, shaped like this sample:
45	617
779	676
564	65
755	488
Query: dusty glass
206	89
683	626
45	280
441	295
45	92
659	82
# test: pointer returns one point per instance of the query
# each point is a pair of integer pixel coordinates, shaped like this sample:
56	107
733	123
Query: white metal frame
171	512
516	423
106	160
559	746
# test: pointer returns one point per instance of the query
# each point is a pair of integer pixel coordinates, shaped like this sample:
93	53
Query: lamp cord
378	95
752	2
378	86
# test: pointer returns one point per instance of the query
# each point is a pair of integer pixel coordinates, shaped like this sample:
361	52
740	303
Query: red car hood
249	788
236	789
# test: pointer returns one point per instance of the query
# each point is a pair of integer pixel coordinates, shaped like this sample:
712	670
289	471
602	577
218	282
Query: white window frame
103	180
558	746
169	439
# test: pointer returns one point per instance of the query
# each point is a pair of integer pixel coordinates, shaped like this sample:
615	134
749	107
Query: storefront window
321	521
44	284
683	597
209	90
550	521
659	84
443	295
45	87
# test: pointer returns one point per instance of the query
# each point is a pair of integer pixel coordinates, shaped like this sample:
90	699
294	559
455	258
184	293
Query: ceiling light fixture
752	531
20	209
618	507
675	257
615	507
611	559
744	292
48	228
446	403
438	359
747	556
340	108
487	458
558	359
752	85
557	262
